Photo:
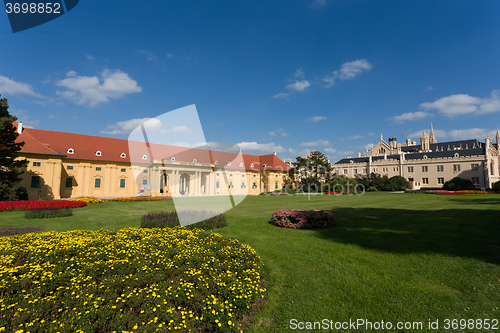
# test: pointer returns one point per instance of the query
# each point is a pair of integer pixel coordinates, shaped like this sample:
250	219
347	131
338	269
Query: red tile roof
96	148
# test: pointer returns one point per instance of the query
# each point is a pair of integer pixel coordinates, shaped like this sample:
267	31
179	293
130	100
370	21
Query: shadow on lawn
455	232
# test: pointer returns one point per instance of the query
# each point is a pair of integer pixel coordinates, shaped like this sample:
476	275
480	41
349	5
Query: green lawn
393	257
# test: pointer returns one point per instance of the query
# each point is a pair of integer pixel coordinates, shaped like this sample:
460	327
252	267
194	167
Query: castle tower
432	138
424	142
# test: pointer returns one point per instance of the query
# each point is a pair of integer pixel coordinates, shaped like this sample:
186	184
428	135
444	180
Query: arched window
71	151
98	153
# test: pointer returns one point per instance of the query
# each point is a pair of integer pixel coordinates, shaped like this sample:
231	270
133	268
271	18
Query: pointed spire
432	138
498	136
381	137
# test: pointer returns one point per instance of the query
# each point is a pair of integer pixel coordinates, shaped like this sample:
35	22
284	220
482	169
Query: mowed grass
393	257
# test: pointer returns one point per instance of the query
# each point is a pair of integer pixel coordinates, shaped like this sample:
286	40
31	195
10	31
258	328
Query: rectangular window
425	180
276	186
364	171
123	170
97	182
410	169
456	167
345	171
254	185
440	180
425	168
35	181
475	180
37	163
144	182
70	167
217	184
265	185
69	182
440	168
98	169
243	185
355	171
474	167
122	183
145	171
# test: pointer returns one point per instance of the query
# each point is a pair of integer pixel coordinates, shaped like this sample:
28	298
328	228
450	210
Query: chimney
20	127
274	153
359	154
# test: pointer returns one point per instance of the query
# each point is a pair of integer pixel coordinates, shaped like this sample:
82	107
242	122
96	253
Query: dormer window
229	163
216	162
123	155
195	161
71	151
241	164
251	165
173	159
144	157
98	153
264	165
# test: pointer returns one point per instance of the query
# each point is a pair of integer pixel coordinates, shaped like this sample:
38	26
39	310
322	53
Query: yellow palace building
68	165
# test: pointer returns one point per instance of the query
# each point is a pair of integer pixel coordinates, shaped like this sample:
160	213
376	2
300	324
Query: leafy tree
398	183
458	184
10	169
311	172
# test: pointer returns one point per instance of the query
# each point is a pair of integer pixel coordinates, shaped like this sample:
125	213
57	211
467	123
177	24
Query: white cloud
264	148
350	70
330	150
8	86
458	134
354	137
371	134
319	3
89	89
151	125
51	116
149	56
430	88
88	56
169	55
24	117
320	142
300	73
299	86
460	104
282	95
278	132
180	129
409	116
315	119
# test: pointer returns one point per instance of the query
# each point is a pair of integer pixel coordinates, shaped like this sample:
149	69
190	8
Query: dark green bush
171	219
496	186
43	213
458	184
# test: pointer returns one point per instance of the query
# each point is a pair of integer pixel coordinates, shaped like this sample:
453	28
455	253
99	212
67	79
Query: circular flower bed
140	280
303	219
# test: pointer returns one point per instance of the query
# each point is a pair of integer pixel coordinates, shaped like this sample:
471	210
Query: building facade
68	165
428	164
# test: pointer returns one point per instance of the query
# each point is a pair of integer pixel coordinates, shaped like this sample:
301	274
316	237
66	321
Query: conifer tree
10	168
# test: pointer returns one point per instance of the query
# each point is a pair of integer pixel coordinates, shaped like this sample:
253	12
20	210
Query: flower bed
33	204
202	219
140	280
278	193
88	200
134	199
478	192
303	219
41	213
451	193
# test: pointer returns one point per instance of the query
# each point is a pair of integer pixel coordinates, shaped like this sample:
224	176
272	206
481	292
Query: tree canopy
10	168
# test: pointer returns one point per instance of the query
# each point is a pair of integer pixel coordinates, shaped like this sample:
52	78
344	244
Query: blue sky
284	76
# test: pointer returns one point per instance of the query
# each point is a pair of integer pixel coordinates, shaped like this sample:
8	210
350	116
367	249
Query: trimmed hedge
171	219
303	219
41	213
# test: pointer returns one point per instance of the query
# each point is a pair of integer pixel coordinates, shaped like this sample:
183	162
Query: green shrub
371	189
496	186
43	213
303	219
458	184
171	219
